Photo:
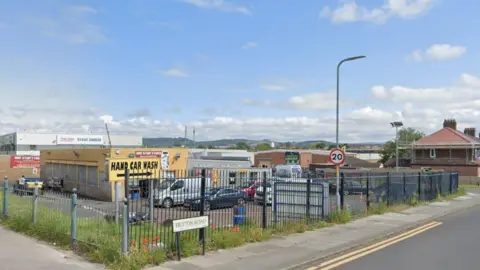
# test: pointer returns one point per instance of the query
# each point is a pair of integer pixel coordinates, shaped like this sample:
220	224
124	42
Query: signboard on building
17	162
79	140
147	167
292	158
145	154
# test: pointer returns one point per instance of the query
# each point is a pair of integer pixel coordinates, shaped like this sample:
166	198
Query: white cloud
318	101
73	24
173	72
438	52
219	5
350	11
250	45
274	87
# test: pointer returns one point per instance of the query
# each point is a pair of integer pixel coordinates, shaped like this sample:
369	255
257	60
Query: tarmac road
454	244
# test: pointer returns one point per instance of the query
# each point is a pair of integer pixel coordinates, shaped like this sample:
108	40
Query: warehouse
30	144
89	170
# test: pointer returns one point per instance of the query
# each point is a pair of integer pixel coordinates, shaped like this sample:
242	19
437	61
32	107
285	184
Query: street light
337	122
396	125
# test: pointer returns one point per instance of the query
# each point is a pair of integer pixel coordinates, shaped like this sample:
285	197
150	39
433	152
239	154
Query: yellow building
89	170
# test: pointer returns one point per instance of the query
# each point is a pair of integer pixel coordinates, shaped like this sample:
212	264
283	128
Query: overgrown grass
471	186
100	241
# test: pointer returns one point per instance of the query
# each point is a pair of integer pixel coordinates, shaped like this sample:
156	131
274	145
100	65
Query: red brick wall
318	159
277	158
305	159
466	170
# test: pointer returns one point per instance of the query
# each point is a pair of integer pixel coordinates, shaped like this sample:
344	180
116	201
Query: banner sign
25	162
80	139
144	154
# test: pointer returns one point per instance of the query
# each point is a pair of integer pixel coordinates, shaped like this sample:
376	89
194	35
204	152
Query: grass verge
100	241
470	186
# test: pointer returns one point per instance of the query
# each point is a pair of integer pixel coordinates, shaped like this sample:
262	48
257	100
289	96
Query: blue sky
226	67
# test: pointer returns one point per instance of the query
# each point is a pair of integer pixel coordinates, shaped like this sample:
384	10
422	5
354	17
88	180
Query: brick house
304	158
450	150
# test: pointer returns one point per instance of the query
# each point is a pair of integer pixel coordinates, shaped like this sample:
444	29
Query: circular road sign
337	156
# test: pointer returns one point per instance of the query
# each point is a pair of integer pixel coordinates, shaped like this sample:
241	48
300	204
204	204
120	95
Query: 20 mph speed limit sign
337	156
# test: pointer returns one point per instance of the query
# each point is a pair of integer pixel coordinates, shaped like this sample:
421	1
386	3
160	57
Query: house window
432	154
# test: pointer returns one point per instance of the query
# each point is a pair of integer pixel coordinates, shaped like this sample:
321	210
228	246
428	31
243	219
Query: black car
350	187
217	198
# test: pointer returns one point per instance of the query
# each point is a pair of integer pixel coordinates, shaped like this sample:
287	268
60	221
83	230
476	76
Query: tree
241	146
320	145
405	136
201	146
263	147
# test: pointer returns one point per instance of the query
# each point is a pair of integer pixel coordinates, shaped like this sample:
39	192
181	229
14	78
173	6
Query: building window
432	154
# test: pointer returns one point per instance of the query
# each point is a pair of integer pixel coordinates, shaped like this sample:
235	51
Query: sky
238	68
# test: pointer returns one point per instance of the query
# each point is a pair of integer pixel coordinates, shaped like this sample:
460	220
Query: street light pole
338	121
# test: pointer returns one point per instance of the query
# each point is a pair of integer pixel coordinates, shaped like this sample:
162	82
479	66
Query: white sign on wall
79	139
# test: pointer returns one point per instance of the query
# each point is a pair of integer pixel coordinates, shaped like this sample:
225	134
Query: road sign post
337	157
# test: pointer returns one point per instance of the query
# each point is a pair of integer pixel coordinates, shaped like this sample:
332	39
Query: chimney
469	131
451	123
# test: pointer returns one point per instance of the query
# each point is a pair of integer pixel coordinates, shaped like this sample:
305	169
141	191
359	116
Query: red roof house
449	149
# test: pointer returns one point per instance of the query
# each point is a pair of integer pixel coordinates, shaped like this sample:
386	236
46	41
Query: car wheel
167	203
345	193
241	201
206	206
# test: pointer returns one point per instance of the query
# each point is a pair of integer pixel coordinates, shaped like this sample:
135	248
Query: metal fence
241	205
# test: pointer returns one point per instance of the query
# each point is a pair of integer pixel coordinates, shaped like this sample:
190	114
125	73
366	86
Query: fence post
450	187
35	205
203	183
73	224
5	197
404	187
309	191
388	189
368	191
117	202
342	189
150	201
420	186
264	200
125	214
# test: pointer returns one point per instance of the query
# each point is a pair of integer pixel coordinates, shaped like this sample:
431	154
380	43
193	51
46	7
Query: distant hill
169	142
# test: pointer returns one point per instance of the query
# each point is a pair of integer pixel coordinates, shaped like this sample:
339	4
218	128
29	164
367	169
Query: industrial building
89	170
30	144
220	158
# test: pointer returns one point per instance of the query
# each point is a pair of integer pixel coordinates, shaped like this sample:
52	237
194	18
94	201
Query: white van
288	171
171	192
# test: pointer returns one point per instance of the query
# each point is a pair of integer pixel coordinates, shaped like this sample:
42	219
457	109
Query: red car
250	188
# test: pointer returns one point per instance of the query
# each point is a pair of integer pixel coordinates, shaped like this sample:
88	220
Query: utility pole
194	137
185	139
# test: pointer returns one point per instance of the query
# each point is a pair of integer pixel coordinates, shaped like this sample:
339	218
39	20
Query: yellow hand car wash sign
137	168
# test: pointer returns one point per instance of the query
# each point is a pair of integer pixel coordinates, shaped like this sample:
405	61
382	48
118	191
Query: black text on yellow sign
117	167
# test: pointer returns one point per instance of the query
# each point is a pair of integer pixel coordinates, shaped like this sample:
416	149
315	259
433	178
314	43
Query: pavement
18	252
302	251
452	245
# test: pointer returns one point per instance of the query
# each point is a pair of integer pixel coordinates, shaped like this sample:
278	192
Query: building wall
305	159
32	143
277	158
463	170
13	174
224	153
87	169
368	156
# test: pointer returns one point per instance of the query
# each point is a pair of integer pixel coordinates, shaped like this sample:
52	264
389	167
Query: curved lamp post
337	124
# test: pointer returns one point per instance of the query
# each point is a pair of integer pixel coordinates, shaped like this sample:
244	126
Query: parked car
250	188
350	187
173	192
217	198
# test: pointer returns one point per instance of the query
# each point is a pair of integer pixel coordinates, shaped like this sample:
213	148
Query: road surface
453	244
